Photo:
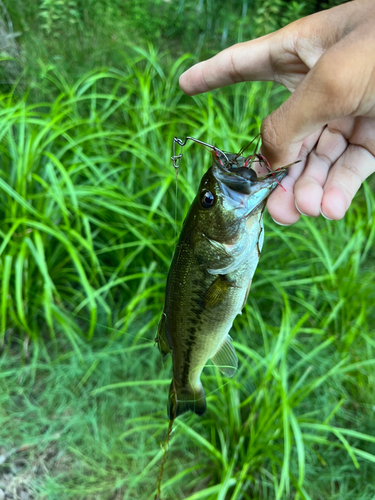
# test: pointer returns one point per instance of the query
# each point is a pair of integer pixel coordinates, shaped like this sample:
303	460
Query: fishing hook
176	159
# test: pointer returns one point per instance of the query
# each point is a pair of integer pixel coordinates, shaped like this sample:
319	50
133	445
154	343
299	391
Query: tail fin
186	399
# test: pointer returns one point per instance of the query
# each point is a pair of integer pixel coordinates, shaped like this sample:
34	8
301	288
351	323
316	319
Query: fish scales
210	276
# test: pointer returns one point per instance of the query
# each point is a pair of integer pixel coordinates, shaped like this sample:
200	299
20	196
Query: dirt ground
22	468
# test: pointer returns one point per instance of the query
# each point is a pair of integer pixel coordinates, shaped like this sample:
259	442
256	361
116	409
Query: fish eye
207	200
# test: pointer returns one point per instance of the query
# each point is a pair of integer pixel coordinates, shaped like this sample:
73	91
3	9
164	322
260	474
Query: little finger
344	180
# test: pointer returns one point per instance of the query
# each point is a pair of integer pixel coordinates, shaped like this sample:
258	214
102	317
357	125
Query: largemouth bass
210	276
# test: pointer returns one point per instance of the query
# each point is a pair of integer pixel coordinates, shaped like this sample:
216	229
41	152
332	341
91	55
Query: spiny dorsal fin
225	358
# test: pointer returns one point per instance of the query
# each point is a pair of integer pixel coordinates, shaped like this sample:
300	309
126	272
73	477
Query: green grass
89	215
77	36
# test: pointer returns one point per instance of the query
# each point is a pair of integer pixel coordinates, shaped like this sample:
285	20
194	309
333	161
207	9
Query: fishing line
164	459
113	329
167	441
176	159
147	339
87	321
175	205
172	420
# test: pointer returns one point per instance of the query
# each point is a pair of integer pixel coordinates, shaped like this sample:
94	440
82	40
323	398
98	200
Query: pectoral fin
161	337
217	292
225	358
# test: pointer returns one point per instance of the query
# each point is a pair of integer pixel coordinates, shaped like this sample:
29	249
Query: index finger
242	62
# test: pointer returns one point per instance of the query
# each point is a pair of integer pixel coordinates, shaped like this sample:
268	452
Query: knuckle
305	151
269	134
234	74
322	157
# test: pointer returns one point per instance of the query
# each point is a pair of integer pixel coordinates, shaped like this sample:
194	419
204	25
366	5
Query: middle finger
308	190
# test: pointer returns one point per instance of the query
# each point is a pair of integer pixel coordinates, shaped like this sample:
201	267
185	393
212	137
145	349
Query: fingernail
324	215
295	203
279	223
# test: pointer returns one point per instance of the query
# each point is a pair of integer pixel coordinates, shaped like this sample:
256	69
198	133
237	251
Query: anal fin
226	359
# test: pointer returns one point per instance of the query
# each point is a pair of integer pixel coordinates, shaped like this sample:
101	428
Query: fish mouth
241	189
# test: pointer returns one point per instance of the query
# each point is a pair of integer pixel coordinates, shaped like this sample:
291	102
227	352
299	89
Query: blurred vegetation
79	35
89	216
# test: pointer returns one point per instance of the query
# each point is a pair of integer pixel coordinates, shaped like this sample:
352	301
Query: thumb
334	88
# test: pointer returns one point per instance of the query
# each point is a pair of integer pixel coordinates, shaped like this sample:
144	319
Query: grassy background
89	215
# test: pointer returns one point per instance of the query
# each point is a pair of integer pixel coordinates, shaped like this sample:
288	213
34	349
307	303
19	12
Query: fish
210	275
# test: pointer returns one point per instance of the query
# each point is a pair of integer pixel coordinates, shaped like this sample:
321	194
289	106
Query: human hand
327	61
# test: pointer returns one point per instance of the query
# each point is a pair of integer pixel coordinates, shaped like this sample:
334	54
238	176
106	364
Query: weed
88	227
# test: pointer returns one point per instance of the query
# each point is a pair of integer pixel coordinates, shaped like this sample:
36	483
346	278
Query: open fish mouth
241	188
